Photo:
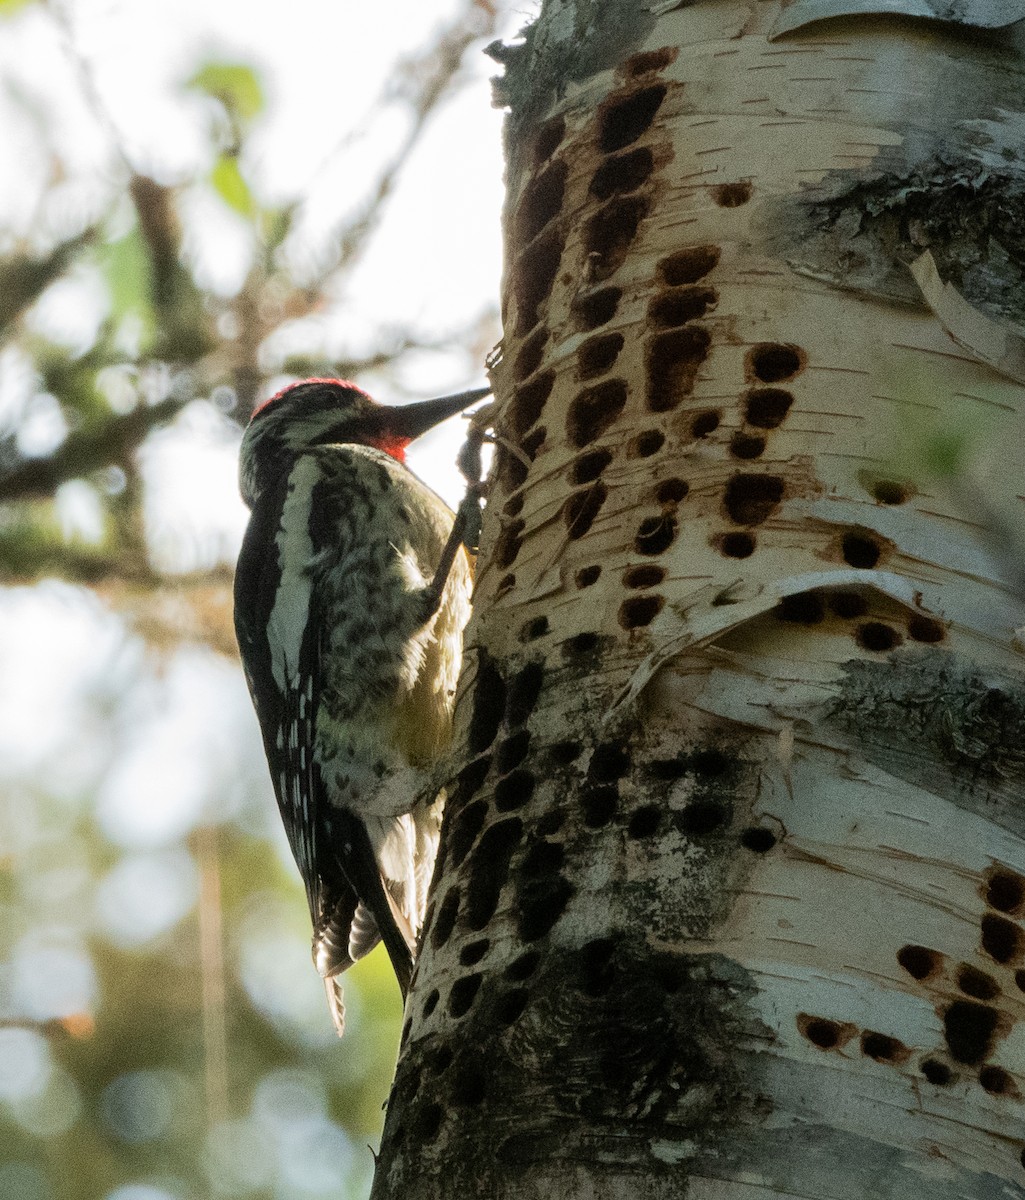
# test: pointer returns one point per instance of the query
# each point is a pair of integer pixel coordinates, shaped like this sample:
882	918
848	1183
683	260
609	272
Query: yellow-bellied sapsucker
351	595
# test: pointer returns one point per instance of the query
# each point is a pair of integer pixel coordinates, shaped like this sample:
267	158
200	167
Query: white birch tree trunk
733	882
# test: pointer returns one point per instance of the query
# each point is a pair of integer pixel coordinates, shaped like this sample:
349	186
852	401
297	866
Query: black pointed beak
412	420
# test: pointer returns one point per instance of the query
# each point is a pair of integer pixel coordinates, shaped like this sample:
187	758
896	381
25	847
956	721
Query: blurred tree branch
171	341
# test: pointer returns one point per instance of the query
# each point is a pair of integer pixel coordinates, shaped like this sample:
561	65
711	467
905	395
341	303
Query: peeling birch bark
731	897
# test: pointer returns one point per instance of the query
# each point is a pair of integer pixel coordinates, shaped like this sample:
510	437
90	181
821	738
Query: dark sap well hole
543	858
534	275
771	362
848	604
529	401
925	629
645	576
655	534
937	1072
593	410
622	121
427	1122
820	1032
874	635
669	768
710	763
623	173
464	992
524	689
996	1080
650	60
468	1087
550	823
1001	939
644	822
431	1003
598	354
533	442
510	1007
610	231
802	608
439	1059
688	266
767	408
511	470
859	550
564	753
1005	891
596	971
512	751
758	839
581	508
673	360
531	352
509	542
541	903
647	443
533	629
702	817
732	195
523	967
674	308
968	1028
596	308
549	137
473	952
888	491
512	508
472	776
746	445
542	201
671	491
513	791
751	499
587	576
705	423
489	869
505	584
918	961
881	1047
587	467
609	762
465	828
446	919
581	643
670	974
599	805
737	545
974	982
488	705
638	611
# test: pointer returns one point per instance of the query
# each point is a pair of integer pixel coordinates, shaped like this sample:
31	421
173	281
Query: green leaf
10	7
276	226
237	86
230	185
127	271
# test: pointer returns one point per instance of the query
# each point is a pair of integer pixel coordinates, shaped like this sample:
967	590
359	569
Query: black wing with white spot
280	623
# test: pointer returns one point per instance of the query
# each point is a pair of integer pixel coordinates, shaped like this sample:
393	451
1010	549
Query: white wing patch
290	614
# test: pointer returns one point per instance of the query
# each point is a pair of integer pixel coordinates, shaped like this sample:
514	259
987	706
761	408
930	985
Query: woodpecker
351	594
